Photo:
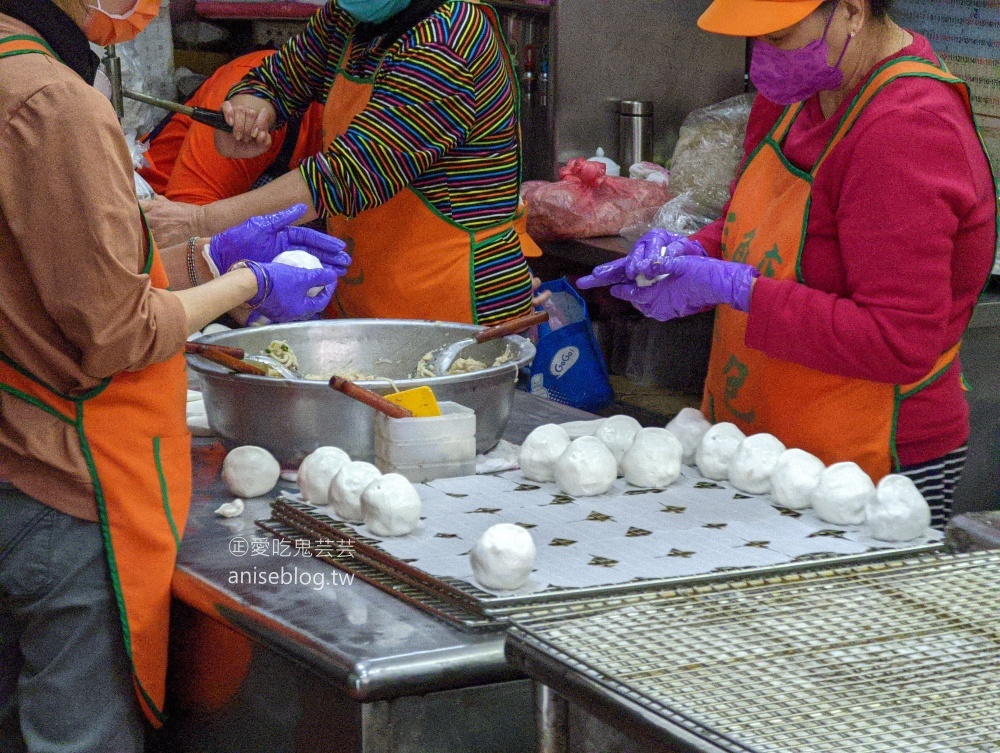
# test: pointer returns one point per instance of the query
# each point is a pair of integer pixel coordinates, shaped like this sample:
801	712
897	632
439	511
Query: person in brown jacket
94	451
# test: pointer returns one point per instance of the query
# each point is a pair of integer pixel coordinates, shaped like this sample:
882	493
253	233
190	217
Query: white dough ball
752	465
586	468
795	478
503	557
302	259
617	434
346	487
689	426
654	459
541	450
899	511
391	506
250	471
717	449
842	495
317	471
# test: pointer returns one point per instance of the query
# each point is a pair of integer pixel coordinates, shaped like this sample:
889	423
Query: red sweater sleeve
906	248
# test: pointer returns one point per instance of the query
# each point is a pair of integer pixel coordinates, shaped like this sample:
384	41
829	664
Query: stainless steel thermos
635	128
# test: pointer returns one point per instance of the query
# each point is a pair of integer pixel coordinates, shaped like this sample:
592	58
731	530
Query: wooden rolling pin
369	398
512	327
216	355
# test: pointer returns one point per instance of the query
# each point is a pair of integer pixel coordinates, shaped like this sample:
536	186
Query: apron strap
784	124
942	365
23	44
905	67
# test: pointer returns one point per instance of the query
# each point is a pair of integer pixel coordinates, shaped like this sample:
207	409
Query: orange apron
133	435
835	418
408	260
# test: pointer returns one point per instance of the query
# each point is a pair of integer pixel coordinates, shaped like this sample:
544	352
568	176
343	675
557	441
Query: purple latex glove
262	238
693	284
283	292
649	253
655	249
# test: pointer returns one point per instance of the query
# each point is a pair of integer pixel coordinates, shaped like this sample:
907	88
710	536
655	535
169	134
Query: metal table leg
552	718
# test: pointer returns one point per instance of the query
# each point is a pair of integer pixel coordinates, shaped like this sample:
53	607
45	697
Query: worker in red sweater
847	264
185	165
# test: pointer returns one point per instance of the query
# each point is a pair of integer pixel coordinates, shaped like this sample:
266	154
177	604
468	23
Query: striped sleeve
423	105
300	73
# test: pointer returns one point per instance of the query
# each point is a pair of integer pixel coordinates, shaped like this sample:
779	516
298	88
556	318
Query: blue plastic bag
568	367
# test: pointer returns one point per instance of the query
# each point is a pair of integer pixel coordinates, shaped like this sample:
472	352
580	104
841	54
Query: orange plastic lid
753	18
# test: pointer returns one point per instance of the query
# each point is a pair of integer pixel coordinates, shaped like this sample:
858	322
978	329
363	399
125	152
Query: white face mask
104	28
96	5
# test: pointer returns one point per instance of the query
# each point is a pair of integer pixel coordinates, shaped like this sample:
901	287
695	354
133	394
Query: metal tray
883	657
461	603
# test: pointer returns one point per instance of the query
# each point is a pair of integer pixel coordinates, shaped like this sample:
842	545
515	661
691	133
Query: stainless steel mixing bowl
291	418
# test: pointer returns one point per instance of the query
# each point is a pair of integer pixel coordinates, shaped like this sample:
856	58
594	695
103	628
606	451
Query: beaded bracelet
192	269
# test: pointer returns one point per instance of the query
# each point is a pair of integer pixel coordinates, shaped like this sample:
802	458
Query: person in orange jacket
184	164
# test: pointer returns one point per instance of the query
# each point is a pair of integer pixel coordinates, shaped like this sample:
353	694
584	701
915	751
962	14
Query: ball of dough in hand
654	459
391	506
752	465
503	557
541	450
795	478
899	511
617	434
250	471
317	471
689	426
842	495
346	487
302	259
717	449
586	468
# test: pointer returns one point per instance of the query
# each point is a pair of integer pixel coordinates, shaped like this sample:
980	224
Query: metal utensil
199	348
212	118
442	358
223	358
269	362
369	398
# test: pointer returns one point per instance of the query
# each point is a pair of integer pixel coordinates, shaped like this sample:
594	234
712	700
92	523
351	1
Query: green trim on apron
163	491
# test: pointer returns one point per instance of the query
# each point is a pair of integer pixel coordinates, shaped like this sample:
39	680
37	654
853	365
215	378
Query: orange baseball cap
753	18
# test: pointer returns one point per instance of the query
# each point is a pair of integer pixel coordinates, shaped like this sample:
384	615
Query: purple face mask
789	76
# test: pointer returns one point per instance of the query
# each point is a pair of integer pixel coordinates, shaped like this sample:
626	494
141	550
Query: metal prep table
299	669
900	656
273	667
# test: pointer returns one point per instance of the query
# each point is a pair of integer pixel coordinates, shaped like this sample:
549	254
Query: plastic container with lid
419	473
427	448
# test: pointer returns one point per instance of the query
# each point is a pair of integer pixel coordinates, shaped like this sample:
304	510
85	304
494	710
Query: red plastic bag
587	203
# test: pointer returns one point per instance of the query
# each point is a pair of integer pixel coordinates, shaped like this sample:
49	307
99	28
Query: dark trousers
65	679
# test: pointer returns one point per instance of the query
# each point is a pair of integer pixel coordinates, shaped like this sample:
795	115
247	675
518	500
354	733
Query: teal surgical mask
373	11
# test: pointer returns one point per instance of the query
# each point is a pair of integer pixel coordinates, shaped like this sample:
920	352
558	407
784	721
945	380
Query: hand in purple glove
656	248
283	292
648	254
693	284
262	238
